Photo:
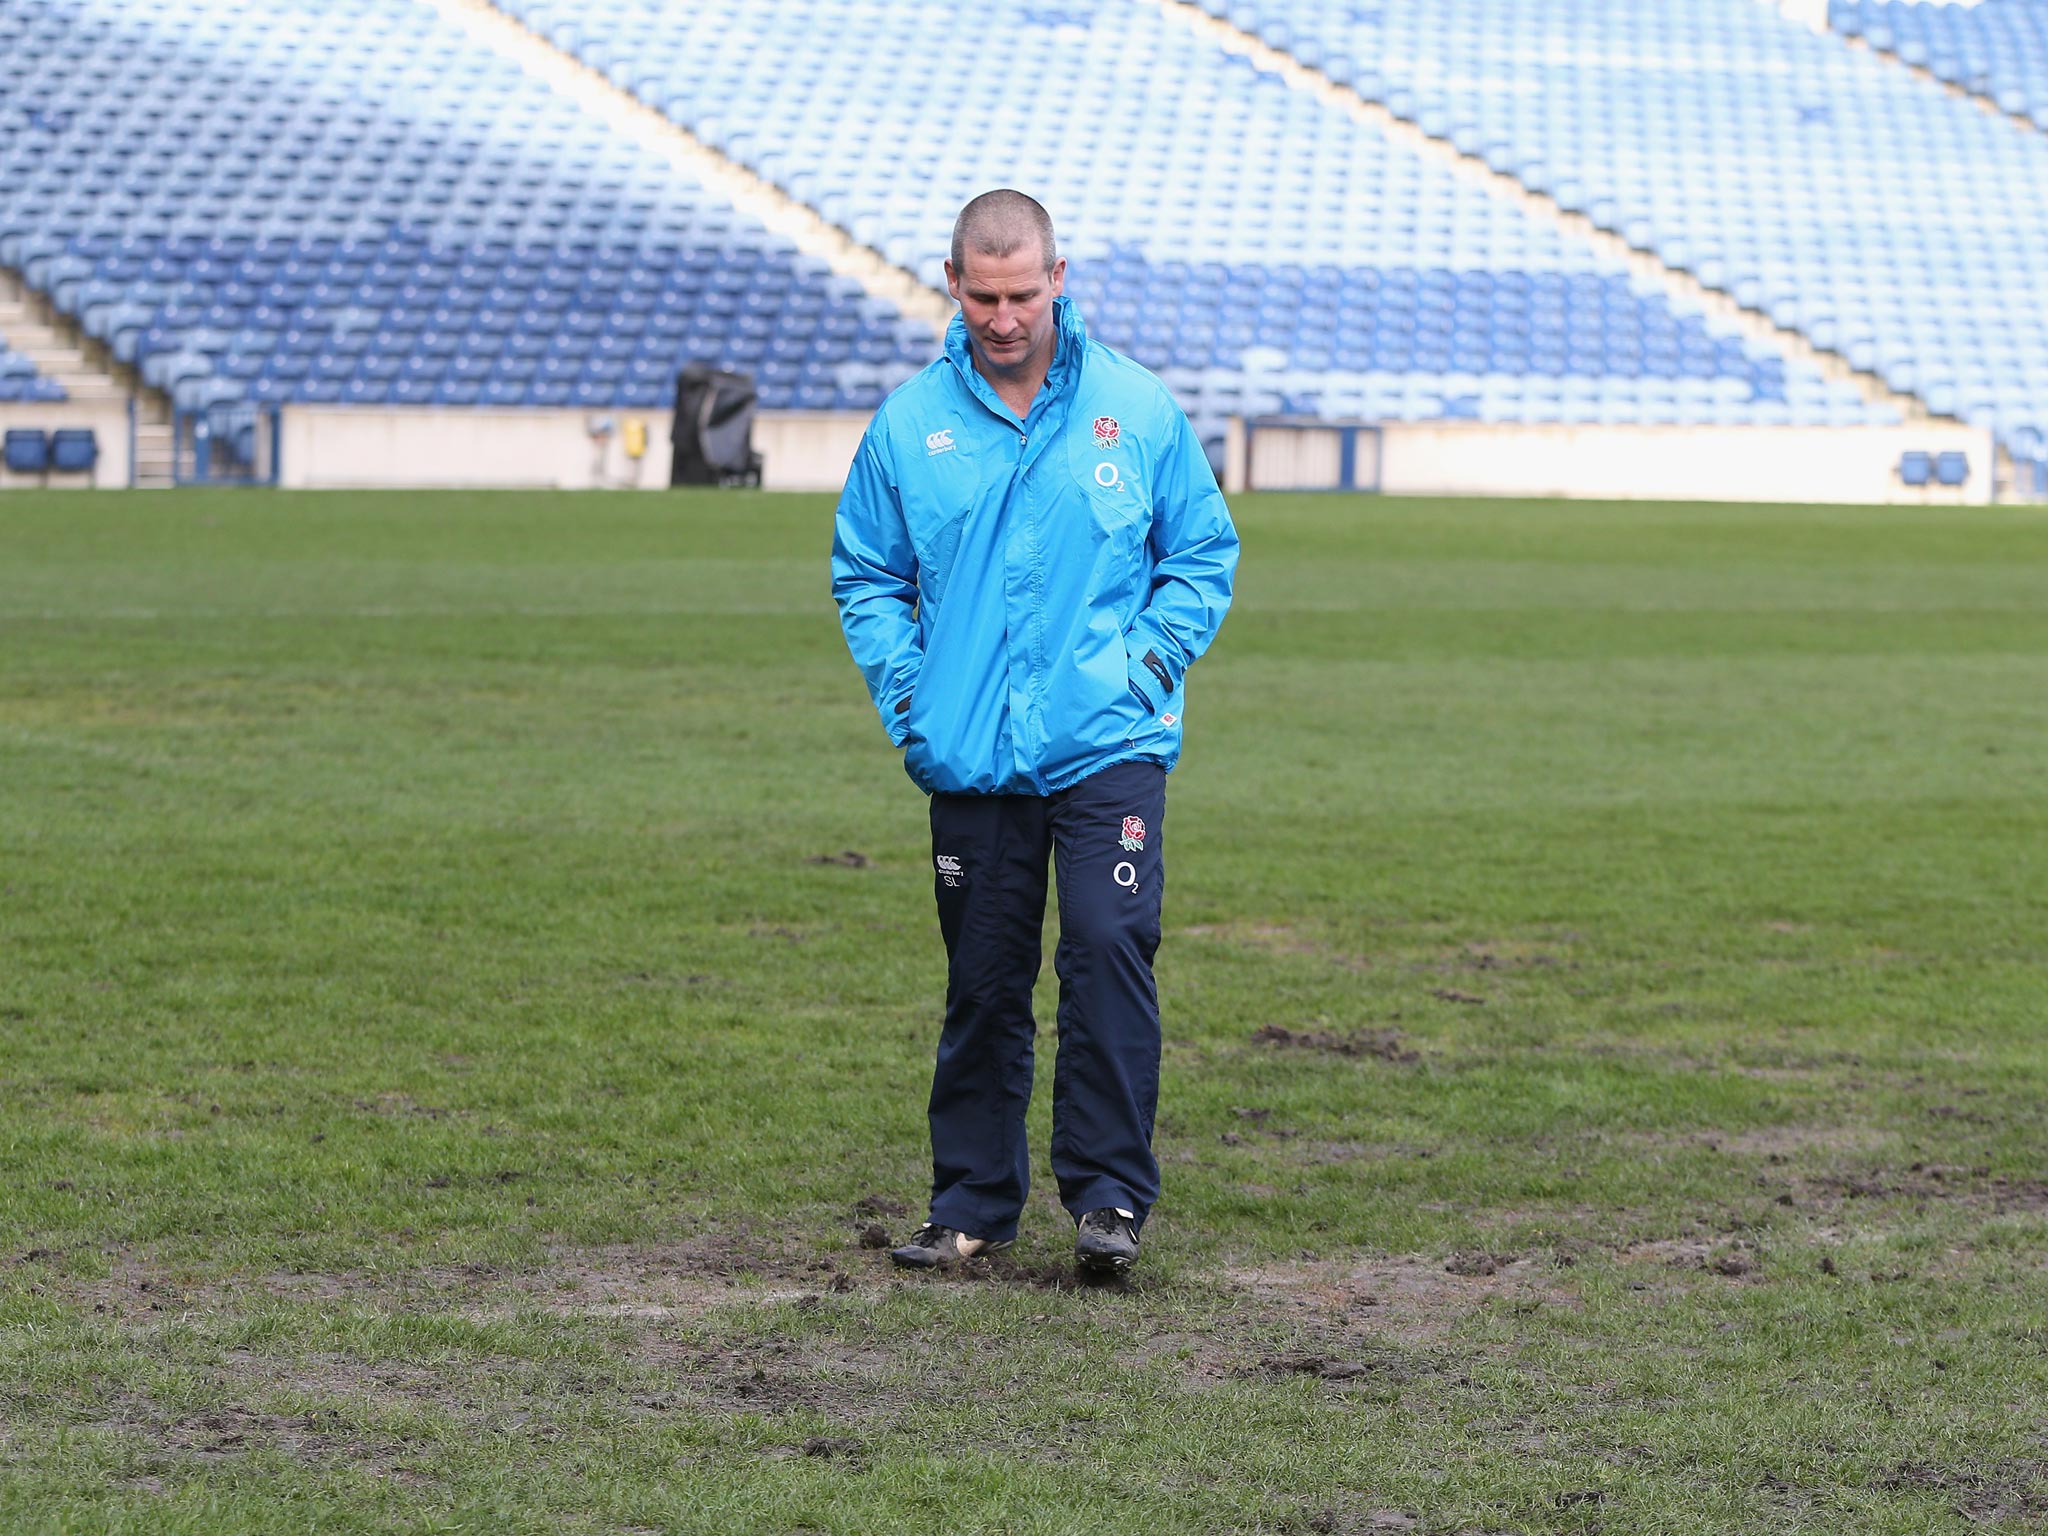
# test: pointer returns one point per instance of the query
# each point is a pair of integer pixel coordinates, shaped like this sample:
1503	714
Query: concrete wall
365	446
360	446
1811	464
108	420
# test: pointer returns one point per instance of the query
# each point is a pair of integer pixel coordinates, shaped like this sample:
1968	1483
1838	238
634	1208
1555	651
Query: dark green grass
438	1080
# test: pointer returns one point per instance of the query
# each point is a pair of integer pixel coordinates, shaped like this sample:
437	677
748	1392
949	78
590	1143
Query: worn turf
468	978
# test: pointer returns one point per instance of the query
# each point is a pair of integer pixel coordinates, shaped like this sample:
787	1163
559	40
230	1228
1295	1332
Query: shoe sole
1103	1263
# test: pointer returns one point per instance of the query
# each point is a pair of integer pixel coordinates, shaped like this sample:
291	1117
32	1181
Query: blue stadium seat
1915	467
26	451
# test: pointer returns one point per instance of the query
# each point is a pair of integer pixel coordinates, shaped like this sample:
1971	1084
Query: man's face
1007	304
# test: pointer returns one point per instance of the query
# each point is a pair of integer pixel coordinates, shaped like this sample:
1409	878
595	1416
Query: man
1030	552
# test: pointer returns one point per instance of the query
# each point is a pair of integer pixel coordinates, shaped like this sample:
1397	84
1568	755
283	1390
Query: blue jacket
1025	598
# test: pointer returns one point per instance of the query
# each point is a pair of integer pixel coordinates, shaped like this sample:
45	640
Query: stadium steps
2014	479
1683	287
88	372
34	331
750	194
155	446
1976	99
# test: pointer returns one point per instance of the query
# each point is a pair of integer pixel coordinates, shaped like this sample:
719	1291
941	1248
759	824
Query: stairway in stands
87	373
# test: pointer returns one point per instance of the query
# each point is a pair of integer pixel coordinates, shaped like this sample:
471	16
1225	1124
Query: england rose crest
1134	833
1107	432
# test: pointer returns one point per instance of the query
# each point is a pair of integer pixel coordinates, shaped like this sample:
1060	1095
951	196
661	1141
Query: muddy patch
1832	1169
846	858
403	1105
1356	1365
1312	1152
1498	955
654	1281
1339	1521
1786	1141
308	1408
1728	1258
1388	1045
657	1353
650	1290
1770	1144
232	1431
1409	1301
776	1376
682	981
1922	1185
2016	1491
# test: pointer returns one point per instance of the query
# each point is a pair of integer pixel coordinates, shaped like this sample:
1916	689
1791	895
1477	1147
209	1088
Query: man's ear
1059	276
952	280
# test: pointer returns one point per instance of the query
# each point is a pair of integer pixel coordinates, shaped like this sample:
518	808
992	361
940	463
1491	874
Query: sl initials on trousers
989	856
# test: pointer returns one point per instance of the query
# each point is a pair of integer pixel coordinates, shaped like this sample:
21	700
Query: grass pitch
468	978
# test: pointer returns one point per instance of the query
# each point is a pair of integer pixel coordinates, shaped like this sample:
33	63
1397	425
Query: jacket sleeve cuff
896	719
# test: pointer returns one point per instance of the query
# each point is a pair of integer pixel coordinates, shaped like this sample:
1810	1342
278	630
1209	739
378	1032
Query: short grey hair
1000	222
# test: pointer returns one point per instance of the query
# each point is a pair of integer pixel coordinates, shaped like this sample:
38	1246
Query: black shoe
936	1246
1107	1242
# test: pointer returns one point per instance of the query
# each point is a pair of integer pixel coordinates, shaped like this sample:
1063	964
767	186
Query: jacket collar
1070	333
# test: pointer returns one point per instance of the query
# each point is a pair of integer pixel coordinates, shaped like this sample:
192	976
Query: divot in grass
1388	1045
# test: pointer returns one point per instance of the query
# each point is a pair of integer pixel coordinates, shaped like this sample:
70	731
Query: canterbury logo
939	442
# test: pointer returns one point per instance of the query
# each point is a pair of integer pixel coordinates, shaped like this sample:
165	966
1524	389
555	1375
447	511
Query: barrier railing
227	445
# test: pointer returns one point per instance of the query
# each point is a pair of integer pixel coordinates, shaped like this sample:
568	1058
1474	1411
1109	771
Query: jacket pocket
1153	685
916	750
1141	694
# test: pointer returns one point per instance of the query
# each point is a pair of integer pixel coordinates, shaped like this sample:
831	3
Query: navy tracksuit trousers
989	854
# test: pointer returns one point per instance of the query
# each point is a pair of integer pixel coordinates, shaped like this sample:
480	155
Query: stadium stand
1886	220
1284	258
259	202
21	380
351	201
1997	50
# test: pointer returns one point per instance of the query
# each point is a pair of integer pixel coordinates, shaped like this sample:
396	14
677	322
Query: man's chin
1006	359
